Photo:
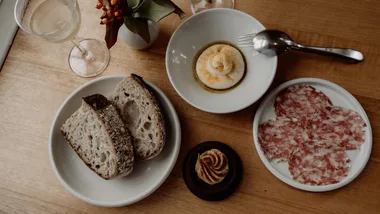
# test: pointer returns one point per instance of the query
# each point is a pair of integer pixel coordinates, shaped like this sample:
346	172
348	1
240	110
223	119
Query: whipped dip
220	66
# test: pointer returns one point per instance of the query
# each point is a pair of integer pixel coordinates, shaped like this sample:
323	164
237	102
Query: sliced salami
303	102
278	138
312	135
342	126
319	165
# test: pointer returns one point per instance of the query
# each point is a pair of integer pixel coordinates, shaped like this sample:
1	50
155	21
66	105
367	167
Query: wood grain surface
36	78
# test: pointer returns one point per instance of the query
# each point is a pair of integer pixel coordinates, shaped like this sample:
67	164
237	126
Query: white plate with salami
312	134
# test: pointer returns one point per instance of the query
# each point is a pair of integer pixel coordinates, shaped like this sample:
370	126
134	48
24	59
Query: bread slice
98	135
142	115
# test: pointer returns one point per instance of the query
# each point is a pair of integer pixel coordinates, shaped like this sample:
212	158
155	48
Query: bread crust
116	131
147	92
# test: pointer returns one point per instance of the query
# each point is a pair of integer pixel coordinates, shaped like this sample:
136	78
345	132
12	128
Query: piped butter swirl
212	166
220	66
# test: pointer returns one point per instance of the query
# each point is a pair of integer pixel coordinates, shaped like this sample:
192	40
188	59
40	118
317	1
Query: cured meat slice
319	165
278	138
339	125
303	102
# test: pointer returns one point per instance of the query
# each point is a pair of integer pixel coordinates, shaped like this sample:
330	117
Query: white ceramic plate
146	176
202	29
339	97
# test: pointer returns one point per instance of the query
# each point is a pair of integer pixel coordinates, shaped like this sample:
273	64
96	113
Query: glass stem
86	55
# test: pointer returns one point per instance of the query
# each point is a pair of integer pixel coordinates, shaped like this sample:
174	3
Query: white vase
134	40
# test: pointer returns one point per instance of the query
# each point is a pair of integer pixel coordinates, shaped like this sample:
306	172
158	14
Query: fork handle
344	53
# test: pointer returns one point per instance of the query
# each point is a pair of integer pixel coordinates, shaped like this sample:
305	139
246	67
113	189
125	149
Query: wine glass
59	21
199	5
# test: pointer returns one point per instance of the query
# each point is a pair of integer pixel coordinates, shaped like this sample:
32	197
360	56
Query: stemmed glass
199	5
59	21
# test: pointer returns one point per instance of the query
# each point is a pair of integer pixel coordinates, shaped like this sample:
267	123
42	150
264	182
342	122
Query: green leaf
166	3
133	3
112	30
152	11
138	26
124	6
105	3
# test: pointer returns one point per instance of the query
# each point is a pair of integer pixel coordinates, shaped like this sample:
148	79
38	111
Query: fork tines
246	40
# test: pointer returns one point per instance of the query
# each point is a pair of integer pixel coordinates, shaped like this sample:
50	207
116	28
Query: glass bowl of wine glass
200	5
59	21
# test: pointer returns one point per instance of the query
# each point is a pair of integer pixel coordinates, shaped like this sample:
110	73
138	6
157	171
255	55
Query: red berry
99	5
105	21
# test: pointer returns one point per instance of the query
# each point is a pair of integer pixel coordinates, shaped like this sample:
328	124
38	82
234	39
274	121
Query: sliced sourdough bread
98	135
142	115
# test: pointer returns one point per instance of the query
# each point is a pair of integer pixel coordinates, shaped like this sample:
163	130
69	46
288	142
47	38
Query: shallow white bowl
83	183
202	29
339	97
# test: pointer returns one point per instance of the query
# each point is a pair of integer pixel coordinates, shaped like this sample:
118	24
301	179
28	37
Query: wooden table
35	80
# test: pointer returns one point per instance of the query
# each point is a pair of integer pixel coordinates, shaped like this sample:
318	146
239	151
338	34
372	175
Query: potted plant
137	17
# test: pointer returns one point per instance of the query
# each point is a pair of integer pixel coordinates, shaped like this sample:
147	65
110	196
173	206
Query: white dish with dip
212	27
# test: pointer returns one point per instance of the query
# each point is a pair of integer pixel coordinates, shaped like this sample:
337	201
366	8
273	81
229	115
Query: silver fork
246	40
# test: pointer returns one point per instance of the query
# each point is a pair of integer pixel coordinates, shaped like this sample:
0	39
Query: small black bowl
217	191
